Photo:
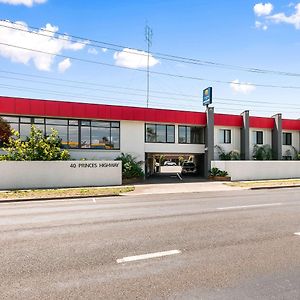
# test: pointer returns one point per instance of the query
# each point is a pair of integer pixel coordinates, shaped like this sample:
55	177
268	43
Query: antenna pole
148	37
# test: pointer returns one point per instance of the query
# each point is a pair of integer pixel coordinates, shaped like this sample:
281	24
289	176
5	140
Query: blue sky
252	34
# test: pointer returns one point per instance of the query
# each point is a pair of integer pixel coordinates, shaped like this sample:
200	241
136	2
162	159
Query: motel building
103	132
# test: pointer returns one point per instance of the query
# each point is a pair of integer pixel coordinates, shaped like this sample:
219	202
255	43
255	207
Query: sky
95	52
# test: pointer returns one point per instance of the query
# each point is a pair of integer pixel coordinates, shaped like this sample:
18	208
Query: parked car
169	163
188	167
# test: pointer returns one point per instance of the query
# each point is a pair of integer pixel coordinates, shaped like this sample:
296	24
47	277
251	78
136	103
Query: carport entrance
162	165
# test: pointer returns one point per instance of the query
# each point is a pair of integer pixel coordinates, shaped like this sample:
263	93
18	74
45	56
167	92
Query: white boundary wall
55	174
254	170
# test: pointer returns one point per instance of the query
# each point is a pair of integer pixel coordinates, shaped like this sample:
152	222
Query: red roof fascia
54	108
228	120
260	122
290	124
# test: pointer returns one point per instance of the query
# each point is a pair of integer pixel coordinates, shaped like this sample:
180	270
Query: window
225	136
190	135
258	137
287	138
73	133
156	133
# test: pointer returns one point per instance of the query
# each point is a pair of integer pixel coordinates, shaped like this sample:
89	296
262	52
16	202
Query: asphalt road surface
214	245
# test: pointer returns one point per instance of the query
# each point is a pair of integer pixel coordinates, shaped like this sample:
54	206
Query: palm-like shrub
131	168
262	152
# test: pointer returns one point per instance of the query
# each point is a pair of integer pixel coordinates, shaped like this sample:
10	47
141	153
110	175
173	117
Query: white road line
297	233
147	256
249	206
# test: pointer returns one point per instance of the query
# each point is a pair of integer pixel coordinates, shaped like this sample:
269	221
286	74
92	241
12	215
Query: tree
35	147
5	131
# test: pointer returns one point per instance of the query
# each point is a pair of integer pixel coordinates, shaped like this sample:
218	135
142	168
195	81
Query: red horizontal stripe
50	108
260	122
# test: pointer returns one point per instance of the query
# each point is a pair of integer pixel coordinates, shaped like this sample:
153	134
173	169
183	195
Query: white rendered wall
235	140
295	142
93	154
267	138
133	138
255	170
56	174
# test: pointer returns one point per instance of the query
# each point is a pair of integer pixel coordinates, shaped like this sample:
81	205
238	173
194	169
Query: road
229	245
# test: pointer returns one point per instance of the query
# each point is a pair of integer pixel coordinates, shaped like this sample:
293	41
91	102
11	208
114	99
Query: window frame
166	133
186	127
223	136
285	138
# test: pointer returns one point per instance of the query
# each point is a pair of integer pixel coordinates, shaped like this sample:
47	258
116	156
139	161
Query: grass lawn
67	192
265	183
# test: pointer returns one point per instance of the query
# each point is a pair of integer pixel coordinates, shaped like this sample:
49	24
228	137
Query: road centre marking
249	206
297	233
147	256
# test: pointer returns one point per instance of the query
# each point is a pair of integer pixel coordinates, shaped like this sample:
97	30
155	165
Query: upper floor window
287	138
73	133
157	133
190	135
258	137
225	136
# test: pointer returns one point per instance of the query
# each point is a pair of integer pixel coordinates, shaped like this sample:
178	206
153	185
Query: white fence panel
255	170
55	174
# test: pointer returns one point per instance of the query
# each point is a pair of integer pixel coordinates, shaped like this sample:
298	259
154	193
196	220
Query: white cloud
28	3
261	9
241	87
104	50
134	59
293	19
93	51
260	25
24	38
64	65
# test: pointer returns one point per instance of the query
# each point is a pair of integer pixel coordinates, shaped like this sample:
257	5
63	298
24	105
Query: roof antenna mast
148	38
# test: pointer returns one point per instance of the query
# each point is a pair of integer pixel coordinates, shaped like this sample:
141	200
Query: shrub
232	155
130	167
217	172
262	152
35	147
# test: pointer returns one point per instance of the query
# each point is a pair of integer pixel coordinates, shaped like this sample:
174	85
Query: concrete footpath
183	187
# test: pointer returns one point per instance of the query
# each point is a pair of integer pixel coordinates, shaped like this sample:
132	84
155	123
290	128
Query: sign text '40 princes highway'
95	165
207	96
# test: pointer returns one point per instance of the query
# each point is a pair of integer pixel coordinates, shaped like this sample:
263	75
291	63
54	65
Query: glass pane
10	119
85	123
57	121
73	122
85	137
101	124
73	137
40	127
161	134
115	138
150	133
39	120
181	134
197	135
62	133
25	120
171	134
101	138
115	124
14	126
25	131
188	135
